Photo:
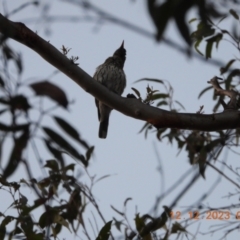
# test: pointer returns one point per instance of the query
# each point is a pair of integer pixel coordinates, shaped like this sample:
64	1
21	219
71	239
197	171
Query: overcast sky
126	155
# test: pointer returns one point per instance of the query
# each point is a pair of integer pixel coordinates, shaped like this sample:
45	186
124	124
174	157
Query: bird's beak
122	46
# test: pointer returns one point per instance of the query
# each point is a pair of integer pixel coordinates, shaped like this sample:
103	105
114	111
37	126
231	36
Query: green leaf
35	236
229	64
224	31
160	16
139	223
17	230
235	32
69	167
192	20
55	137
117	224
60	220
159	132
150	80
234	14
217	38
8	53
3	111
4	182
55	152
207	30
204	90
19	102
180	143
47	218
202	162
209	50
43	220
57	229
137	92
159	96
126	201
5	222
177	227
2	232
27	226
45	182
117	211
9	128
183	28
71	131
52	164
89	153
148	89
102	177
52	91
162	103
233	73
105	231
177	102
2	82
221	19
203	30
144	127
16	155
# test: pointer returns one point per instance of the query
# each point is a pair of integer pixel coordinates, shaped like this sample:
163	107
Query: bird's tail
103	128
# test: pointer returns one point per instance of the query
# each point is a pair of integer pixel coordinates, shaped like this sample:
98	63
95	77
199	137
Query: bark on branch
128	106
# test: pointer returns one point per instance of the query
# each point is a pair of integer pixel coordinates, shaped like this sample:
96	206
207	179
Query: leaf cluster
62	214
23	132
199	145
176	10
212	34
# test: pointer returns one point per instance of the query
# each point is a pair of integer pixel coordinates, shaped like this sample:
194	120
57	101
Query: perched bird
112	76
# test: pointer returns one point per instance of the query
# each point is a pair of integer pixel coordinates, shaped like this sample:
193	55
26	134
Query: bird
111	75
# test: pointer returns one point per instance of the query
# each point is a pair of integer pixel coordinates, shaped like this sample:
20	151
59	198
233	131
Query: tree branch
131	107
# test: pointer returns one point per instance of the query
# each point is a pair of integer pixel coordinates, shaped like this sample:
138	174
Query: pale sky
126	155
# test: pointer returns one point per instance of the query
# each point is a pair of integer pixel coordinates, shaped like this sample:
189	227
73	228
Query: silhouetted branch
130	107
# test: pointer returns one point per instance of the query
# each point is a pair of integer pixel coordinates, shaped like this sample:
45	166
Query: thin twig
225	176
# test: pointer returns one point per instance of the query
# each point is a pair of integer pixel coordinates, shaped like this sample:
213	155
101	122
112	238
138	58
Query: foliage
23	132
161	15
199	144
